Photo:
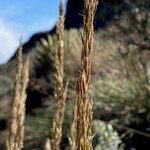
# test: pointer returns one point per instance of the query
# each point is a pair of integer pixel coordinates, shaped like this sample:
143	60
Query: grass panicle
84	105
11	141
17	116
60	91
58	120
22	102
59	53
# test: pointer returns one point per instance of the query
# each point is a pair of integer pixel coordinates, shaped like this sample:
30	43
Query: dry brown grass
59	53
22	102
84	105
60	91
17	116
13	120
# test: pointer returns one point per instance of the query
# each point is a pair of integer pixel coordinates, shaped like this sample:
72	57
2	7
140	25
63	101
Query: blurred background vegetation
120	87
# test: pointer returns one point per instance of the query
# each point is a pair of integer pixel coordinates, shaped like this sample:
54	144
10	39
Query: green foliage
120	83
6	84
43	58
106	137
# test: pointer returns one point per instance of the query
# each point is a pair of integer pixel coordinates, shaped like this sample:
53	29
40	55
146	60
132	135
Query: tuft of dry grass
58	120
84	105
59	53
60	91
22	102
17	116
11	141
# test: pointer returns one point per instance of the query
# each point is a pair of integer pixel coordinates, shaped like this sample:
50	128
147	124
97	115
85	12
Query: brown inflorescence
84	105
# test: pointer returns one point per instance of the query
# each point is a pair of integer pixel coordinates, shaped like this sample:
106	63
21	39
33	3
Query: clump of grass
60	91
105	136
17	117
84	105
59	53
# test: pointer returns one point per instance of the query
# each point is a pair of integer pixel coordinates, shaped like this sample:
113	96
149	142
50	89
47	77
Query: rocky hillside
107	12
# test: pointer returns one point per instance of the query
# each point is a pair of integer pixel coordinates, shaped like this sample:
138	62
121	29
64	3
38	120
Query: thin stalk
11	141
22	106
17	117
84	105
60	91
